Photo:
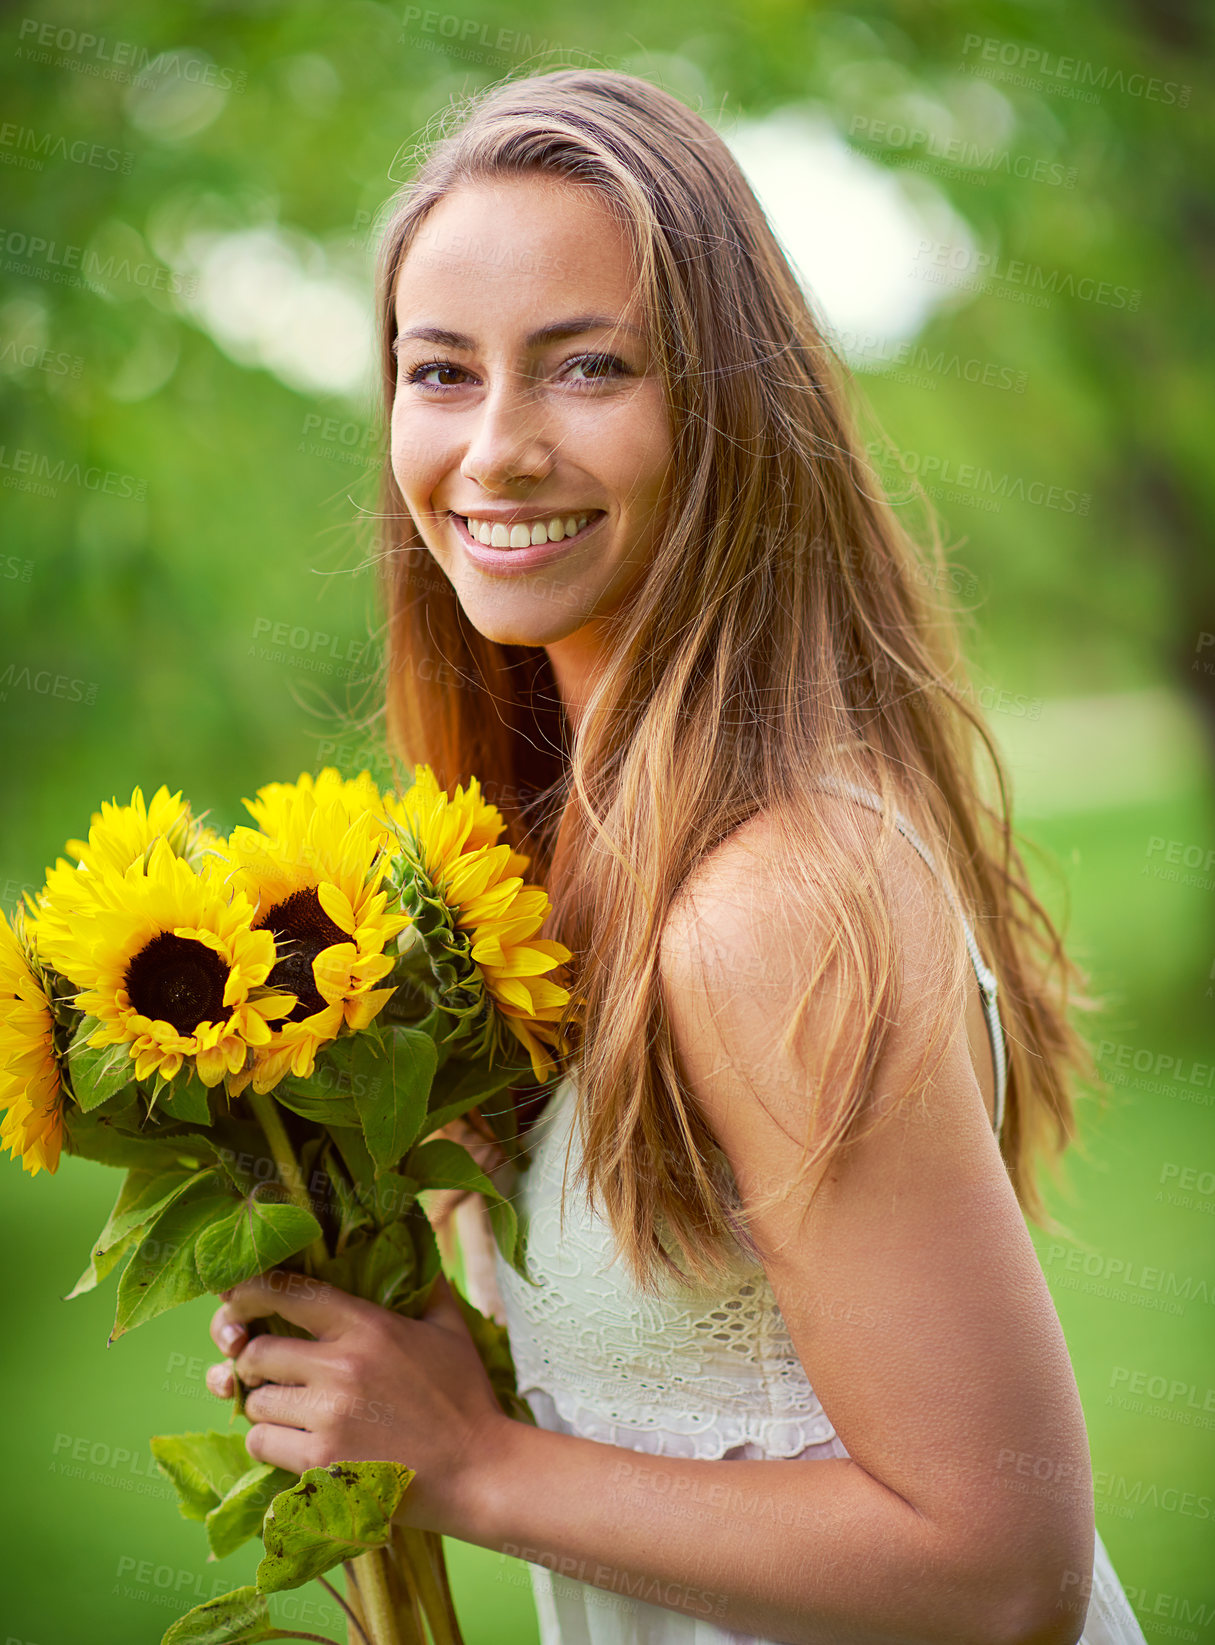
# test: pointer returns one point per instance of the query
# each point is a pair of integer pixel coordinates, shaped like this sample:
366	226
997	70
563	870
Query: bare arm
916	1302
914	1298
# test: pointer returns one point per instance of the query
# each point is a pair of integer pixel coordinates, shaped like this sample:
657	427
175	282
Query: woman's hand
371	1386
485	1150
458	1216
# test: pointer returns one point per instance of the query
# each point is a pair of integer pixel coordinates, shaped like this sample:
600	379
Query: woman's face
530	436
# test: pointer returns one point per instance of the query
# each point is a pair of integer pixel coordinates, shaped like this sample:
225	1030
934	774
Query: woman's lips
524	557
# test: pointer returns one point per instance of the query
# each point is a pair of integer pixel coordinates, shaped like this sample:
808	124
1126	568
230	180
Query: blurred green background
188	459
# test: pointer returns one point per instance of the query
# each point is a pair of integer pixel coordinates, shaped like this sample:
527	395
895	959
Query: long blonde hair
787	627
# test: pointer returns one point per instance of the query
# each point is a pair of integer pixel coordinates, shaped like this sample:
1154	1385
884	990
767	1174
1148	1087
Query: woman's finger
443	1310
272	1403
485	1150
268	1358
480	1253
290	1448
220	1381
227	1334
313	1303
441	1202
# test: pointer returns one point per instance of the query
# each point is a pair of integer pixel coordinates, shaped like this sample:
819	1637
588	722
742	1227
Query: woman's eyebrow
554	333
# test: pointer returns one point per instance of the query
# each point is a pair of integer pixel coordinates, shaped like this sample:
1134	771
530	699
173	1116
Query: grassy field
79	1469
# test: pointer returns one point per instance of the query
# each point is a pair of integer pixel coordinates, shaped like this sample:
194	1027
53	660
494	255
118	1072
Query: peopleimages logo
123	60
979	49
34	255
961	154
41	468
31	149
1127	1274
972	478
965	268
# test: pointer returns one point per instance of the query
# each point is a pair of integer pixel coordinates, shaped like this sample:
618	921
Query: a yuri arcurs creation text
267	1033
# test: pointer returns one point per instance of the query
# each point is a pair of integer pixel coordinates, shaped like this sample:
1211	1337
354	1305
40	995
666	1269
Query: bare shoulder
753	921
762	988
901	1265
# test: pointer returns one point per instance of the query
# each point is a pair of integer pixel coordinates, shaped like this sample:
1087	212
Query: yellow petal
331	968
336	904
361	1010
211	1064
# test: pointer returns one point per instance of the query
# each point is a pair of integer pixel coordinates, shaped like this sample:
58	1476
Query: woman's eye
446	375
586	368
597	366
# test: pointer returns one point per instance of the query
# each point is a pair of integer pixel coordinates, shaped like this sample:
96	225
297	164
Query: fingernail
229	1336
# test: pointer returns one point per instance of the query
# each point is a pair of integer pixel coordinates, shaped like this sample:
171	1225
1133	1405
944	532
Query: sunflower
448	829
169	962
315	874
30	1088
279	807
451	842
119	835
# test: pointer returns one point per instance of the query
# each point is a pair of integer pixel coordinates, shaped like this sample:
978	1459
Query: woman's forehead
521	238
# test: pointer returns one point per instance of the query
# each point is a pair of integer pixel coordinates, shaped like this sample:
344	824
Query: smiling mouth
552	528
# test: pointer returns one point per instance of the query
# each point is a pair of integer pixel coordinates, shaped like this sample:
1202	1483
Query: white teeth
521	536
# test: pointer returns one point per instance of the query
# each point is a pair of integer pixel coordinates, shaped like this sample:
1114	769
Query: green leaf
468	1084
239	1516
163	1272
141	1197
461	1087
205	1468
390	1197
493	1345
441	1163
381	1269
348	1140
186	1100
333	1514
256	1234
102	1264
99	1137
239	1618
391	1091
313	1100
97	1072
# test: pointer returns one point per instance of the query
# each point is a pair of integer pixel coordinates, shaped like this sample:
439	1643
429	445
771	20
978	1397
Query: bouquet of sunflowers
326	992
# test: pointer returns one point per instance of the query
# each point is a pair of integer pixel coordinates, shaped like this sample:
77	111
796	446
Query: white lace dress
680	1375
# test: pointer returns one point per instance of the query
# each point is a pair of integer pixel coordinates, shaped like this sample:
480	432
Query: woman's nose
508	441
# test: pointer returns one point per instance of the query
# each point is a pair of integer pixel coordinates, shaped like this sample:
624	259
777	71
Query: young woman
796	1371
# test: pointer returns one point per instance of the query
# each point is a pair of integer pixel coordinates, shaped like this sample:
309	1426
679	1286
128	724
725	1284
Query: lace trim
779	1437
679	1373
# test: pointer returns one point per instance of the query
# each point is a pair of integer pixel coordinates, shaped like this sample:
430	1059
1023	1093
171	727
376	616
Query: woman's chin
537	622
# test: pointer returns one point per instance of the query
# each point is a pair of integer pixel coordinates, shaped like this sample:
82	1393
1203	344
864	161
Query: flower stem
380	1614
271	1121
357	1631
358	1626
421	1553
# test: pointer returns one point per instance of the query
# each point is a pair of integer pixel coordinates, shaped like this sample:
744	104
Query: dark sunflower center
178	980
301	930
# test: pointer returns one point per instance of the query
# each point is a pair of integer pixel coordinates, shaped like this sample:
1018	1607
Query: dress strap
986	978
